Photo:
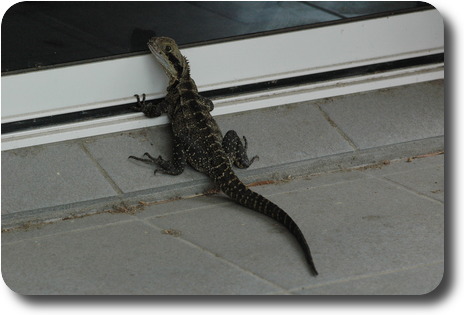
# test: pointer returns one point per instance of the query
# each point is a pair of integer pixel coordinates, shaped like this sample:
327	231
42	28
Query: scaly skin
199	141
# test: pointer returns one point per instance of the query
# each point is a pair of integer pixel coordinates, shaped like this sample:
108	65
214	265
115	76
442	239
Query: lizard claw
138	98
254	158
140	103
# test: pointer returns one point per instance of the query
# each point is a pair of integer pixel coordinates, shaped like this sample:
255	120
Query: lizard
198	141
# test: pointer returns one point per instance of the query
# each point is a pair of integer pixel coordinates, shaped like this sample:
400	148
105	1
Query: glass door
74	62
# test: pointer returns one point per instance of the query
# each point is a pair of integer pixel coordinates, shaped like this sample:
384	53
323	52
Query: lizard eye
168	49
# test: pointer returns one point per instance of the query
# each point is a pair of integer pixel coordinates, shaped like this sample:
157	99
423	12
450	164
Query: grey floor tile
428	181
423	175
416	280
156	209
393	169
125	258
407	164
366	234
371	226
58	228
371	229
49	175
382	228
275	146
112	154
244	237
307	182
390	116
274	137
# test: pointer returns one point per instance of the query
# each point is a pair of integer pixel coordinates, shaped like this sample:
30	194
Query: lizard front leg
236	150
150	109
209	103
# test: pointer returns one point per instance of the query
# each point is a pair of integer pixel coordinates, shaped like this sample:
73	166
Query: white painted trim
228	105
113	82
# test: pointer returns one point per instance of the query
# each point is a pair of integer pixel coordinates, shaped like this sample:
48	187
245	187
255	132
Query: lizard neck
183	82
182	72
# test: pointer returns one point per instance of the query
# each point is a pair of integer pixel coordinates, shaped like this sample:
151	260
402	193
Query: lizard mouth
154	47
156	51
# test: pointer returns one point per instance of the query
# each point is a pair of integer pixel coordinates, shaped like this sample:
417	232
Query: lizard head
168	55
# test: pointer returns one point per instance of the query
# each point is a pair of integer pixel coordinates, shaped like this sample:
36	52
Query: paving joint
407	188
365	276
370	228
337	128
216	256
102	171
127	201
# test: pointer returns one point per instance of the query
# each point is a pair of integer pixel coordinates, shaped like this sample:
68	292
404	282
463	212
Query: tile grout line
120	198
89	228
366	276
102	171
216	256
332	172
337	128
296	190
186	211
403	160
408	189
156	227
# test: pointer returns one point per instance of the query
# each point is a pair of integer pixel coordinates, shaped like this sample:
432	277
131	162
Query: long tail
236	190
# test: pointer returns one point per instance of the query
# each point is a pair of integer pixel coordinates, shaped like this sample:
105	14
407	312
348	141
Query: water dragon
198	140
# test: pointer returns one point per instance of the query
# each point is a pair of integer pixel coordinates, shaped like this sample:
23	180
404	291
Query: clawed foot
140	103
254	158
150	160
245	145
149	109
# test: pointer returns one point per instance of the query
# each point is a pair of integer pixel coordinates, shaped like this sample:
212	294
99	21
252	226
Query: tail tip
313	269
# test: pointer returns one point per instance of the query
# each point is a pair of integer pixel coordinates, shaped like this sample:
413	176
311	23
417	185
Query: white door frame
259	59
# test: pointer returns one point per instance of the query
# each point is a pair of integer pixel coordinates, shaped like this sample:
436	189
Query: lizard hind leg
172	167
236	150
167	167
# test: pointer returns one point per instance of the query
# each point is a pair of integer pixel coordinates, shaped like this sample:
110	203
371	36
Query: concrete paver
421	182
47	176
377	229
274	136
387	236
416	280
112	154
399	115
392	116
129	258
